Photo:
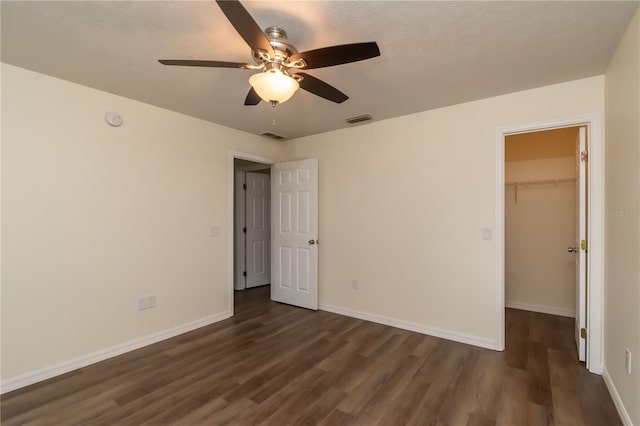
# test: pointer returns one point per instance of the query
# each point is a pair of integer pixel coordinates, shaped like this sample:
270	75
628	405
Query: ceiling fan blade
252	98
322	89
196	63
245	25
336	55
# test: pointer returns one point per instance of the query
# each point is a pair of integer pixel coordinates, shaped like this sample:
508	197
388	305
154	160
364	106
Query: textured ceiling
433	54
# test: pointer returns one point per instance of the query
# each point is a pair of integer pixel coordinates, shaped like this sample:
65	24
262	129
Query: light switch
487	234
214	231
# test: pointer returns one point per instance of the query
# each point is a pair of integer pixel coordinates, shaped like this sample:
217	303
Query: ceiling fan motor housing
281	45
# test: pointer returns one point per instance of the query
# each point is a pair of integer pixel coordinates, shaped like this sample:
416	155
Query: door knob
312	242
572	249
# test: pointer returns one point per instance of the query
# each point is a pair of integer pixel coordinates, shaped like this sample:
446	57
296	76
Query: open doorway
540	221
588	262
293	230
543	287
252	230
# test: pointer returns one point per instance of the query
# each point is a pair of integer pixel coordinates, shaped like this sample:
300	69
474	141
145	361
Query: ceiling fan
280	63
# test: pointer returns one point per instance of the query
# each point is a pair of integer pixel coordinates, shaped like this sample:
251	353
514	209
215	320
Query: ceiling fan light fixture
280	60
274	85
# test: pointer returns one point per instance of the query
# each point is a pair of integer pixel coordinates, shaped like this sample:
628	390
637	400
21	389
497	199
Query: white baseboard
541	309
82	361
624	416
406	325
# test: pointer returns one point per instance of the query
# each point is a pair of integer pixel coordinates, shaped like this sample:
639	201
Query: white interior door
580	247
294	239
257	222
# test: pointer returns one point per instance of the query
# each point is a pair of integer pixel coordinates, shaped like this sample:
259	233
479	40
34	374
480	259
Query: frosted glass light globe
274	86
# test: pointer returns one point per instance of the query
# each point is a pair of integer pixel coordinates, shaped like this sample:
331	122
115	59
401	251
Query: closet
540	221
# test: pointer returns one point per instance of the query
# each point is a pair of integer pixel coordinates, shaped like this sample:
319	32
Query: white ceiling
433	54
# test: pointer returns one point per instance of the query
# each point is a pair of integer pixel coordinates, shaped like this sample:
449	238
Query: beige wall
403	203
94	217
622	218
555	143
549	168
539	226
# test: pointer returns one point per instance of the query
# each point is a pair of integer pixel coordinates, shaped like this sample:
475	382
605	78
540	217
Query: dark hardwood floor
277	364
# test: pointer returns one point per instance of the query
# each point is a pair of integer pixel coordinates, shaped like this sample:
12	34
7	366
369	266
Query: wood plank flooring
276	364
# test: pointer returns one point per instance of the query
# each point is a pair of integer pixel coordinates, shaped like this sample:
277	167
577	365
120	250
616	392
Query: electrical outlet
151	302
627	360
354	283
142	303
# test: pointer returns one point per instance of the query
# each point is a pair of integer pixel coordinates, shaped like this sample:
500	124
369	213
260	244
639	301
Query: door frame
595	229
231	219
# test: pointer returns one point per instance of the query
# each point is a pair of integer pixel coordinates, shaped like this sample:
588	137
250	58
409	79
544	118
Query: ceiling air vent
272	136
358	119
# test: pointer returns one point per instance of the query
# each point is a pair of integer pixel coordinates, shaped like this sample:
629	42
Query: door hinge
584	156
583	333
244	186
244	274
244	230
583	245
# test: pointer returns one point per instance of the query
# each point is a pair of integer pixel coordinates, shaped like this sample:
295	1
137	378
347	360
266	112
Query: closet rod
541	181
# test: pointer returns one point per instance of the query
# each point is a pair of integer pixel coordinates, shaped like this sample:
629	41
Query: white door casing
581	235
233	219
595	226
294	237
257	208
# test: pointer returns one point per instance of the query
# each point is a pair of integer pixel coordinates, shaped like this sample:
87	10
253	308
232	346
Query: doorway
542	206
540	221
252	224
239	165
293	229
593	210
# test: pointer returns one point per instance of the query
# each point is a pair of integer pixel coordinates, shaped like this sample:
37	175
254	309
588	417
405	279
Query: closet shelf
540	182
525	184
